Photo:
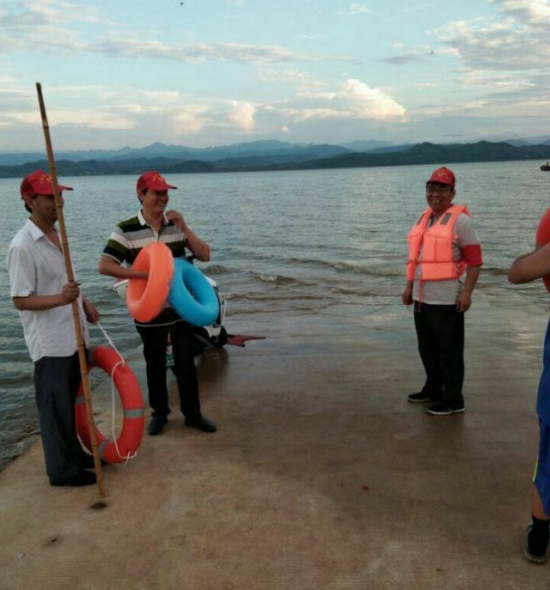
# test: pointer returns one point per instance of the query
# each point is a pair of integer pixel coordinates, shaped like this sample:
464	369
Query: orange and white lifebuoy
133	407
542	238
146	297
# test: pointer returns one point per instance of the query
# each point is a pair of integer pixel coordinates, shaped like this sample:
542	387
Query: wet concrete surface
321	475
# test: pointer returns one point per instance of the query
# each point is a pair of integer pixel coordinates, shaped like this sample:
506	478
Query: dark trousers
56	381
154	339
440	333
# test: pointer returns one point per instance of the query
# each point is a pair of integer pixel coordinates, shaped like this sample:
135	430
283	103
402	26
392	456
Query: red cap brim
160	186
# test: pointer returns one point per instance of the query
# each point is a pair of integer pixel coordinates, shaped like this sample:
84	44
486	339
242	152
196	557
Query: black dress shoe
87	462
201	423
82	478
157	424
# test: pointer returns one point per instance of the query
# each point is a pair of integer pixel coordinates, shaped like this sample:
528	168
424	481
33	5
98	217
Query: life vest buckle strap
445	219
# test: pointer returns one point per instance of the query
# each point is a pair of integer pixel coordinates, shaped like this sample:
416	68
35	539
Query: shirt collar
142	221
35	232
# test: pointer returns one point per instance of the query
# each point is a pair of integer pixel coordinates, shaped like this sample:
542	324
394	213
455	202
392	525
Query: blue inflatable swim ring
192	296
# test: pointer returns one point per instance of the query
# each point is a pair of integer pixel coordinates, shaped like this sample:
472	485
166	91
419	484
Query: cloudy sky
212	72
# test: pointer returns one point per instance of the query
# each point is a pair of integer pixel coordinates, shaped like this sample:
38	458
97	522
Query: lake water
283	243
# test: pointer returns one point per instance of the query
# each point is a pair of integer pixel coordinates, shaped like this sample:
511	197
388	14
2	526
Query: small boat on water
546	167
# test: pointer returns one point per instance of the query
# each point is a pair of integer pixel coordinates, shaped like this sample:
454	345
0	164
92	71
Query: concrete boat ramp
321	475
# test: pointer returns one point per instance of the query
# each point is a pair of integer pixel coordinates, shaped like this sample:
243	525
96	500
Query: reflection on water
328	242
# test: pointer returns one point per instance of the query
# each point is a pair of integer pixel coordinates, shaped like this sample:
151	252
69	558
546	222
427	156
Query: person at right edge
443	246
525	269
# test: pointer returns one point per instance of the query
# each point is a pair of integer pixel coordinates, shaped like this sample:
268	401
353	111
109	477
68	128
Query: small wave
493	271
276	279
341	265
16	377
364	293
218	269
270	299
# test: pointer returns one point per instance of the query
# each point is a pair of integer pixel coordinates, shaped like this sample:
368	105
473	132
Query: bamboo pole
70	277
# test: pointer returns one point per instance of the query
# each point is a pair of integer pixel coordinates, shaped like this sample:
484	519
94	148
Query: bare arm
530	267
111	268
406	296
464	301
68	294
472	275
199	249
92	315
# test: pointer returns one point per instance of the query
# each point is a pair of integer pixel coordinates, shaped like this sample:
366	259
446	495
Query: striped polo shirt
133	234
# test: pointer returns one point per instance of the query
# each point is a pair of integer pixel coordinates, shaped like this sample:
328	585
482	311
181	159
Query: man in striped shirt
154	224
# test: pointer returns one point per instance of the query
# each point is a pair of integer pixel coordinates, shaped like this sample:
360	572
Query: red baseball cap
39	183
153	180
443	176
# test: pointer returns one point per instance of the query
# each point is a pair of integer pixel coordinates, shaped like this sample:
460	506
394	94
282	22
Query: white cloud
370	102
472	107
46	24
92	119
491	80
24	14
534	12
141	114
16	99
303	82
193	53
6	80
242	116
353	100
356	9
198	52
285	129
517	39
166	113
190	121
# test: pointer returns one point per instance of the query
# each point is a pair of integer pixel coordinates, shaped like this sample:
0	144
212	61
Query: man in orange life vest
443	246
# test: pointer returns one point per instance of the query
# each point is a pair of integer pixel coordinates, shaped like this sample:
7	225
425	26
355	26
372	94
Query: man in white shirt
43	295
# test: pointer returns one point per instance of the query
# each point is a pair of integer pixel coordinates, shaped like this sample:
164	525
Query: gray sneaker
442	409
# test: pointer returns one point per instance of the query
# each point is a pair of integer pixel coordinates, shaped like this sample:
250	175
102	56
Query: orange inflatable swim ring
146	297
126	383
542	238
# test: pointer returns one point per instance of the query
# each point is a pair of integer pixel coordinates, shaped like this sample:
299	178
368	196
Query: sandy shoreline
321	475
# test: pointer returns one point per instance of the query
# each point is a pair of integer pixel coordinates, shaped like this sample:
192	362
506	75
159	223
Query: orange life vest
436	242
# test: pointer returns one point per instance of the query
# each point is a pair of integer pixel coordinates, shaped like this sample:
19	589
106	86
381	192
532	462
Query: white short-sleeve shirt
36	267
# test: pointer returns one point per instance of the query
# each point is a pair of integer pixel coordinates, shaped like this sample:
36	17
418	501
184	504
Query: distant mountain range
210	154
430	153
270	155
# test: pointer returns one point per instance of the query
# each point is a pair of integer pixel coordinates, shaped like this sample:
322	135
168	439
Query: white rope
107	337
121	363
113	413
